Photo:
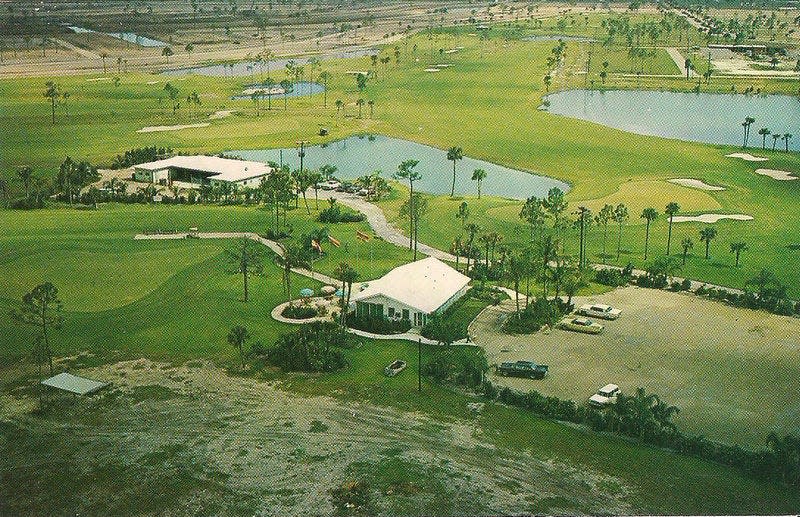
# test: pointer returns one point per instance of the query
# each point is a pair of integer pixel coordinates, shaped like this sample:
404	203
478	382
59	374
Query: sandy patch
432	70
747	157
153	82
221	114
710	218
776	174
693	183
155	129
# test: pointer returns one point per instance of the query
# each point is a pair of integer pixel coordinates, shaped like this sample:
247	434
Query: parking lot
732	372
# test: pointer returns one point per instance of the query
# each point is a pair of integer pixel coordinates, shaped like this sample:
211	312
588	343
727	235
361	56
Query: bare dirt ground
732	372
209	443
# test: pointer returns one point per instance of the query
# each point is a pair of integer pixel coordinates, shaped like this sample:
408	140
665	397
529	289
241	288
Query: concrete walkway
680	61
382	227
276	247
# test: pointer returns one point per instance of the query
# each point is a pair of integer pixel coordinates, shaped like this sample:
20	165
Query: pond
359	155
700	117
253	68
556	37
299	88
130	37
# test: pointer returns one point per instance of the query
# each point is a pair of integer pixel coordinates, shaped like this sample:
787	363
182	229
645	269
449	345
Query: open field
729	370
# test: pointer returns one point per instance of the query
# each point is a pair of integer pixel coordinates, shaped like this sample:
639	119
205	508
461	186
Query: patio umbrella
306	293
339	293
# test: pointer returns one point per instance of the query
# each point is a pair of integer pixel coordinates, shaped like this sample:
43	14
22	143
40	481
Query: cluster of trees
314	347
71	178
764	132
336	214
57	97
140	155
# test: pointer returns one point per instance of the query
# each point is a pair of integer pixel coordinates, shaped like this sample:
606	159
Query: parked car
598	310
363	192
605	396
344	187
394	368
584	325
353	188
329	185
527	369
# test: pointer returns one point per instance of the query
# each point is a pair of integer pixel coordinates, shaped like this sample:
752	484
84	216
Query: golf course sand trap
220	114
153	82
747	157
710	218
692	183
776	174
431	69
155	129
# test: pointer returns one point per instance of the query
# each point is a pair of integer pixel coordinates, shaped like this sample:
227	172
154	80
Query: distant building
413	291
194	171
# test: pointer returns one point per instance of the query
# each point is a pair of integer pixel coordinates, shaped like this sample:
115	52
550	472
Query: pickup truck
527	369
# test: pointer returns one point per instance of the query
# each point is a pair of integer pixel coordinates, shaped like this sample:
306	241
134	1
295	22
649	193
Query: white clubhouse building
194	171
413	291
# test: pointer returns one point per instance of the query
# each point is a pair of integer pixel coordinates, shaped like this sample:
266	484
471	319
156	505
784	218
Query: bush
316	347
377	324
299	312
140	155
613	277
536	315
443	329
26	203
487	293
335	214
458	367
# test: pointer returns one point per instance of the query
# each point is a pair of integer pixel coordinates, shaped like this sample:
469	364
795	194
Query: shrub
335	214
26	203
443	329
299	312
536	315
610	277
316	347
140	155
377	324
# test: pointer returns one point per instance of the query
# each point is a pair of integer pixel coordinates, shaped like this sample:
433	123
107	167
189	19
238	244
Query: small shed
74	384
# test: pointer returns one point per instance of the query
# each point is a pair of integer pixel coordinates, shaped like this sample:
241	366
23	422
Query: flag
334	241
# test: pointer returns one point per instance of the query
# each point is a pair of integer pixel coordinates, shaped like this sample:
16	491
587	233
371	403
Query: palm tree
247	258
737	248
293	256
454	154
339	105
583	220
516	268
533	213
287	87
25	173
478	175
786	137
707	234
456	248
359	103
620	216
649	215
603	217
405	171
764	132
347	275
463	214
53	93
371	104
472	230
746	125
324	76
103	56
775	138
686	244
671	209
236	338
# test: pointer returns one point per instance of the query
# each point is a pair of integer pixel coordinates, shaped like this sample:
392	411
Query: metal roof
74	384
223	169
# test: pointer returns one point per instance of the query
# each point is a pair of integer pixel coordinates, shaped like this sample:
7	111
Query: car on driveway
527	369
605	396
330	185
599	310
584	325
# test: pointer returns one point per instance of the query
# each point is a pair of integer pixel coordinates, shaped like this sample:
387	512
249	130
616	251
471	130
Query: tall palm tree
583	220
237	338
686	244
339	105
25	173
324	76
620	216
359	103
454	154
246	258
708	234
287	87
748	121
775	138
649	215
478	175
671	209
764	132
347	275
603	217
472	230
405	171
456	248
516	268
534	214
737	248
293	256
463	214
786	137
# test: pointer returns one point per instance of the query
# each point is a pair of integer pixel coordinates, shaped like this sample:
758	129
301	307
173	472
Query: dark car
527	369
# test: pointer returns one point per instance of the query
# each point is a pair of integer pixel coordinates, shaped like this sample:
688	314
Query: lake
359	155
714	118
256	69
130	37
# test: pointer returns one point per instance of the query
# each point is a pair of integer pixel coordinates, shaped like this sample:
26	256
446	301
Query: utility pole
419	364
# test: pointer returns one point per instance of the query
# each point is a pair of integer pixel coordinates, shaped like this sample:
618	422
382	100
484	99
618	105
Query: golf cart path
680	61
274	246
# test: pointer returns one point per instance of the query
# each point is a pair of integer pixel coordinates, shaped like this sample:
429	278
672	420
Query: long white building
202	170
413	291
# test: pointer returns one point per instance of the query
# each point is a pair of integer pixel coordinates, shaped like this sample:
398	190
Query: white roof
224	169
74	384
424	285
608	388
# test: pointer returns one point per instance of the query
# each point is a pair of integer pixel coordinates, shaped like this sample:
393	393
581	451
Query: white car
330	185
605	396
598	310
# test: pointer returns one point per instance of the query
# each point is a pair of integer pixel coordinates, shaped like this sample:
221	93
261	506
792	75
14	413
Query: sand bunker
747	157
776	174
220	114
710	218
431	69
692	183
154	129
153	82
